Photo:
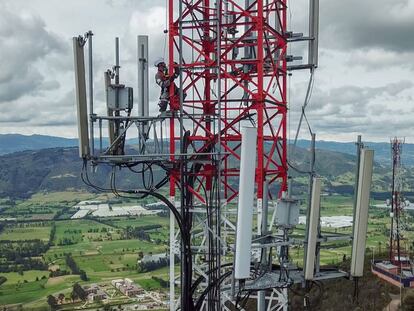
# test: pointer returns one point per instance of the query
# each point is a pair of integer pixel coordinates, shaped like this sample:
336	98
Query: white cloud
356	24
363	84
25	43
346	111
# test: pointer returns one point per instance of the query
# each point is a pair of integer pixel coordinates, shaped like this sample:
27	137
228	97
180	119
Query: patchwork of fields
104	250
34	248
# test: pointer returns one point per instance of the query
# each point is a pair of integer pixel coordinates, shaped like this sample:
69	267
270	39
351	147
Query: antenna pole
89	35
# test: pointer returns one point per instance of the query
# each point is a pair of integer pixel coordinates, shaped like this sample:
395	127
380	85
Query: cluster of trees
20	255
71	263
163	283
30	224
66	241
10	250
74	231
139	232
34	210
3	279
147	265
61	212
78	292
22	264
52	301
52	234
96	230
58	272
135	233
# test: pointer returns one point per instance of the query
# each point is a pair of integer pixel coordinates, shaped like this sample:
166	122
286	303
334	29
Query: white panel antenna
313	32
81	104
143	71
245	206
361	213
313	229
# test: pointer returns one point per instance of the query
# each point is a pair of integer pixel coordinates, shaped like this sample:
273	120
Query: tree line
21	264
73	266
10	250
139	232
147	266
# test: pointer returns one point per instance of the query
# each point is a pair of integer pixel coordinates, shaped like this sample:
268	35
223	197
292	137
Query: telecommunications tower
397	203
398	268
223	149
233	62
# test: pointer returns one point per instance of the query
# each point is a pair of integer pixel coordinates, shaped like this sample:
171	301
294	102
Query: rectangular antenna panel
361	213
313	32
143	71
313	229
81	104
245	207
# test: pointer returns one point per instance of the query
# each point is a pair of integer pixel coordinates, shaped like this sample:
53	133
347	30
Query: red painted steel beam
264	84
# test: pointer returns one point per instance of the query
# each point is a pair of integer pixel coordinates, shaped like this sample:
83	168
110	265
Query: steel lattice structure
233	71
252	84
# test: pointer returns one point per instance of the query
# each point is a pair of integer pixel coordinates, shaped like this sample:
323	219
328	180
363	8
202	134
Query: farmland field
100	248
83	230
26	233
104	250
123	222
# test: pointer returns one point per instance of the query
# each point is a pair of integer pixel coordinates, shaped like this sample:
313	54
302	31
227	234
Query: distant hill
10	143
27	172
382	150
57	169
23	173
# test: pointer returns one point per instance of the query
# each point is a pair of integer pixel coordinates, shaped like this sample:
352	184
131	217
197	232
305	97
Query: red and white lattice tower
247	63
397	256
232	58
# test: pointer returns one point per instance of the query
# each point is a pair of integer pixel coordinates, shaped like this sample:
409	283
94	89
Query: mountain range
23	173
10	143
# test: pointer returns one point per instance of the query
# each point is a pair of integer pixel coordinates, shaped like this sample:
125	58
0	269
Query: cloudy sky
364	84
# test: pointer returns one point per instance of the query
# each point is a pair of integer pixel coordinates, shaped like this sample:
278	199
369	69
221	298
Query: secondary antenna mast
397	203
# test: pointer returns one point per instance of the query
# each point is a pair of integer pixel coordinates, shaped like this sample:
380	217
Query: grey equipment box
125	97
287	212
